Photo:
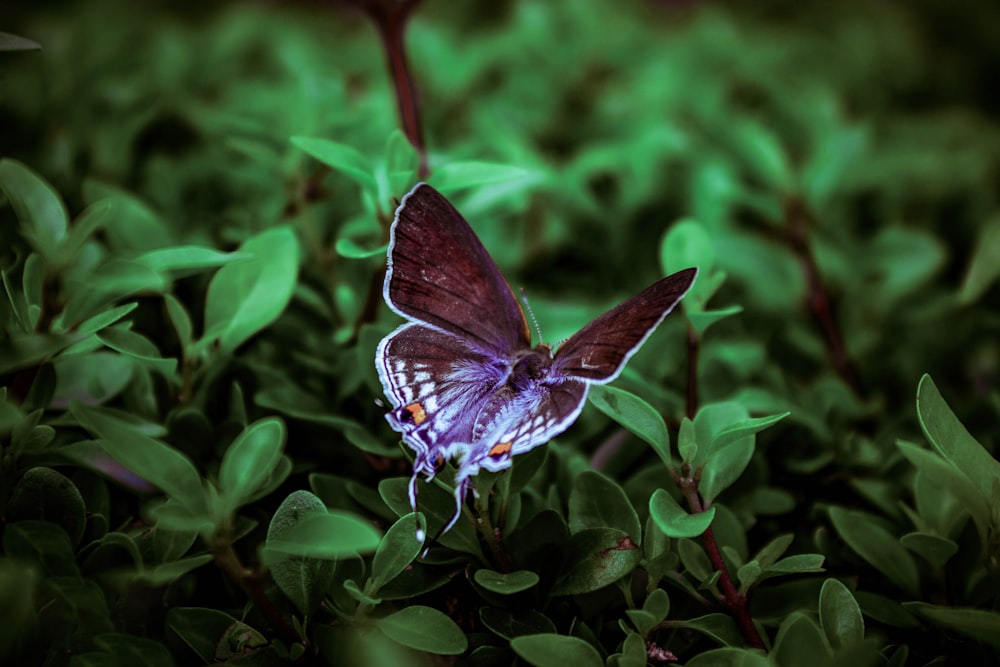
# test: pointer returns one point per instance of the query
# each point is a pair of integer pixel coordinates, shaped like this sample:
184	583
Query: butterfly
464	381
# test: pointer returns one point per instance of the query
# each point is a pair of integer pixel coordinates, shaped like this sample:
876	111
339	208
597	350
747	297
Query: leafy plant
193	226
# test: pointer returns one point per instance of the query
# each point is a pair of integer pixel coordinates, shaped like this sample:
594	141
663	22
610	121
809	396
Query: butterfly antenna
534	320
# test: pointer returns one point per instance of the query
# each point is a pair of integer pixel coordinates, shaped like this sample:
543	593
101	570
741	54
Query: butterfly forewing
441	275
598	352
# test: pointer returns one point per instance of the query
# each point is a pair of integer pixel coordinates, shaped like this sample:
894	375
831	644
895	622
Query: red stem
731	598
390	18
799	219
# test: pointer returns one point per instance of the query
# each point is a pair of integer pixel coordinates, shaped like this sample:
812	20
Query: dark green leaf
981	624
951	439
38	207
43	544
877	546
45	494
509	624
800	641
601	556
506	584
155	462
138	347
201	629
304	580
840	615
597	502
552	650
397	549
424	629
720	628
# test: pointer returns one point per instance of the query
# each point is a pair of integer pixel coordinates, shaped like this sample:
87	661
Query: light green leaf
635	414
247	296
461	175
506	583
673	520
38	207
345	159
328	536
250	459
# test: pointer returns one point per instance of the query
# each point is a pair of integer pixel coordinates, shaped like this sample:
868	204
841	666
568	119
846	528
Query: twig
798	219
731	598
390	18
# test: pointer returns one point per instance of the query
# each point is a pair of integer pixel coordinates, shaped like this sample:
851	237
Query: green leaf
685	244
200	629
934	549
687	444
328	536
506	583
351	249
397	549
131	650
509	624
424	629
598	502
730	657
160	465
877	546
138	347
951	439
635	414
187	260
38	207
9	42
744	428
45	494
720	628
984	267
304	581
105	319
840	615
28	351
167	573
43	544
345	159
247	296
461	175
552	650
180	319
948	477
600	557
250	459
979	624
673	520
800	641
702	320
437	505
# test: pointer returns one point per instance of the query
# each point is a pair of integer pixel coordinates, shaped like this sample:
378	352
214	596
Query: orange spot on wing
500	449
416	411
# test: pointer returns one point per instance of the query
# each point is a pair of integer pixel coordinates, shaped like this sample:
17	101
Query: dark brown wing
440	275
598	352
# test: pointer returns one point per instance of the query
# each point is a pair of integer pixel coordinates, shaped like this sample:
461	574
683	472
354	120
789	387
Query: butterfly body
462	376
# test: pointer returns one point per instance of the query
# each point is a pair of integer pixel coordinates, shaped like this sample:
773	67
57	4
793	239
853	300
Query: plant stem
390	18
731	598
798	219
250	581
693	346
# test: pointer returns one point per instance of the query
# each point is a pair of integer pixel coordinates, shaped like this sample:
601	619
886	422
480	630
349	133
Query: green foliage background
196	200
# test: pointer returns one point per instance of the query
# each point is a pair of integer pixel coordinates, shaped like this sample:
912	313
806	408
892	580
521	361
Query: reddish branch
731	598
390	18
799	219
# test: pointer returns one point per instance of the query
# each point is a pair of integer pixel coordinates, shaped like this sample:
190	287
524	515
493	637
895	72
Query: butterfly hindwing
598	352
440	274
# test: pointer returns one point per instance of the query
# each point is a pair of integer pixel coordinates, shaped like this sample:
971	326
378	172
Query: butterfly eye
413	413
